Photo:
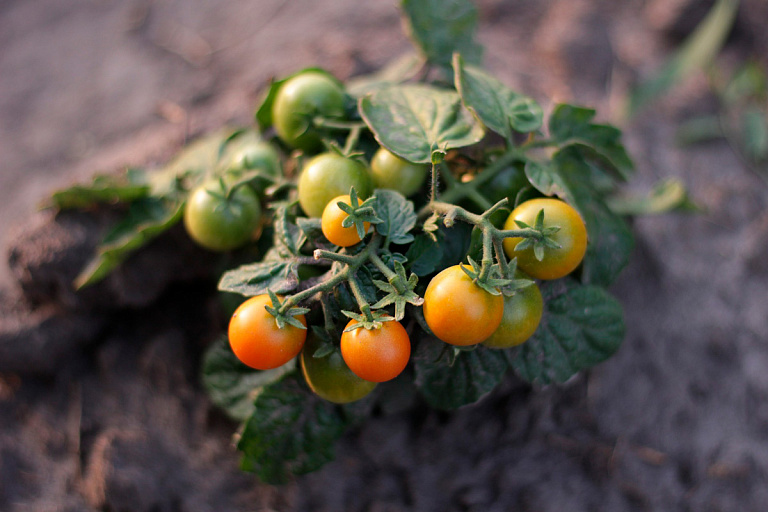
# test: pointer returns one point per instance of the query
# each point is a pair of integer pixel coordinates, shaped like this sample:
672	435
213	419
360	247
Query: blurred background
678	420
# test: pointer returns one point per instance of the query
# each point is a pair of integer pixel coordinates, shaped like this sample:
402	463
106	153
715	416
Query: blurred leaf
232	385
280	276
147	218
699	130
666	196
754	133
440	28
291	431
395	72
119	188
698	50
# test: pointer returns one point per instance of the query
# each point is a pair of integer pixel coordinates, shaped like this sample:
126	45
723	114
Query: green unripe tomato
301	98
219	223
522	315
329	377
257	155
329	175
392	172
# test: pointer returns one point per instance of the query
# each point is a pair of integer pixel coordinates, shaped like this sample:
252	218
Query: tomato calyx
284	312
541	242
367	320
399	288
358	215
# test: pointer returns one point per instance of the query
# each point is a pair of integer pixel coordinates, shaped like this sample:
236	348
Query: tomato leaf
106	188
582	326
397	216
232	385
418	122
665	196
147	218
288	237
440	28
279	275
473	373
571	125
500	108
424	254
291	431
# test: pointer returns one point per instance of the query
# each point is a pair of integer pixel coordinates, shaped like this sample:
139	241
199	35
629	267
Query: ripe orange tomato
377	355
256	339
458	311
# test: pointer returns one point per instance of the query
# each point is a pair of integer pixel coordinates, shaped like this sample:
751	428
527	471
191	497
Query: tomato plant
569	241
390	171
330	175
377	354
299	100
219	218
329	377
458	311
427	262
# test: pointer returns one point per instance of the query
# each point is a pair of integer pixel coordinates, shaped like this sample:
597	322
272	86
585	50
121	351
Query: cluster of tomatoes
225	214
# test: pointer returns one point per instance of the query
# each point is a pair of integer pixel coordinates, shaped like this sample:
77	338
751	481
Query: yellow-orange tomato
572	238
458	311
377	355
256	339
331	221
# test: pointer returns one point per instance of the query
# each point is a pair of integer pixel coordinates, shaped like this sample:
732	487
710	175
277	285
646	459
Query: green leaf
543	176
291	431
232	385
147	218
754	132
424	255
280	276
193	163
440	28
698	50
263	115
500	108
288	237
666	196
120	188
397	216
473	373
582	326
569	124
419	121
397	71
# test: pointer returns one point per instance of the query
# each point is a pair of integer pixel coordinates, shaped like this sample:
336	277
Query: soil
100	402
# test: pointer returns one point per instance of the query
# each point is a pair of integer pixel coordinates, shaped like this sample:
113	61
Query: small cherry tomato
522	314
329	377
256	339
377	355
331	221
330	175
392	172
219	223
458	311
572	238
302	98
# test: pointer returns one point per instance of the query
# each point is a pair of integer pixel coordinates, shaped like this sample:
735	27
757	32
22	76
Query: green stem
365	308
487	262
334	124
391	276
352	138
